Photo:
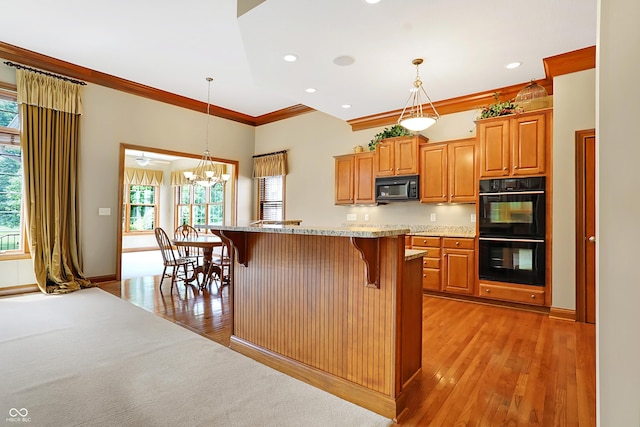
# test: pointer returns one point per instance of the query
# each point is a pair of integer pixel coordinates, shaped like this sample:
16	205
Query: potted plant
498	108
392	132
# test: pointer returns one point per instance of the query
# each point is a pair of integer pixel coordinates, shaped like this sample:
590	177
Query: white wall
314	138
573	109
618	209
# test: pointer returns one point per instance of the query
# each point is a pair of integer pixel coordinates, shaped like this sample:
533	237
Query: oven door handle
501	239
512	193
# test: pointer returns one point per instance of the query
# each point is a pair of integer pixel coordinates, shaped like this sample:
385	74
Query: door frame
581	243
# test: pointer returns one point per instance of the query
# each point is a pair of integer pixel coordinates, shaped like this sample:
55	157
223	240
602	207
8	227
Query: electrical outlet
432	217
473	217
352	217
366	217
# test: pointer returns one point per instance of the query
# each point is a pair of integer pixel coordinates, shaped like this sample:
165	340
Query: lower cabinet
430	261
458	270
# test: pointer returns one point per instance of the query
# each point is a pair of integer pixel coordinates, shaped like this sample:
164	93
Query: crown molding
570	62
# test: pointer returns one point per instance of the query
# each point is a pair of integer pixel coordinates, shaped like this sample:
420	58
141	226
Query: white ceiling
173	46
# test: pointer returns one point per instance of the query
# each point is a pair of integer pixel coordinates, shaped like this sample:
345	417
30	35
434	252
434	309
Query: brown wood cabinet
514	145
458	271
431	279
447	172
524	294
355	179
398	156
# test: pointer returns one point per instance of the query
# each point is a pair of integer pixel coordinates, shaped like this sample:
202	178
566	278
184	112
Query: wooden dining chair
186	231
173	262
220	268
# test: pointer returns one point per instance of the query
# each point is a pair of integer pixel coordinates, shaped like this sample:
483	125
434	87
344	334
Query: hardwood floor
481	365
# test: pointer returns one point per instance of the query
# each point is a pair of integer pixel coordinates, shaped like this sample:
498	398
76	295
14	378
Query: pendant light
207	173
413	116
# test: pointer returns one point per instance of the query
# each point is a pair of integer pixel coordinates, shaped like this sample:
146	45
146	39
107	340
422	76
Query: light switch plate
432	217
352	217
366	217
104	211
473	217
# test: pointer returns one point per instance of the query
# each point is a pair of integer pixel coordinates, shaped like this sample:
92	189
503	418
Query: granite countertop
410	254
365	232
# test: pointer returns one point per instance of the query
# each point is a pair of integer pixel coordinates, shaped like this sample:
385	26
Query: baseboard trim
487	301
562	314
100	279
361	396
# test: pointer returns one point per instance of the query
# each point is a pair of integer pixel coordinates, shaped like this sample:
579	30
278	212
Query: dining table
207	243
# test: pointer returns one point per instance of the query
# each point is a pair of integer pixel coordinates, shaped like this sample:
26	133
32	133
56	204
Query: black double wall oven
512	230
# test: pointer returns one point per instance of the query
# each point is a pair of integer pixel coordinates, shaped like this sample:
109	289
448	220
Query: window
11	225
271	196
199	205
140	209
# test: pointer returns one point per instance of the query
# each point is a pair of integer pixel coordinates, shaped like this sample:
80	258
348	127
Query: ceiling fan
144	161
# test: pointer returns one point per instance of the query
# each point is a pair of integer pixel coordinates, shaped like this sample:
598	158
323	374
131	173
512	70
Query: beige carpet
91	359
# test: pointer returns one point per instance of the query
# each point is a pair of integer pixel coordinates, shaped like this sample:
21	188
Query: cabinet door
494	148
433	173
344	180
458	271
406	156
462	176
528	145
364	178
385	165
431	279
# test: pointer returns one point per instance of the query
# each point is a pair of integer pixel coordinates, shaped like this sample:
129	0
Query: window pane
185	194
9	114
217	194
199	195
142	218
199	212
142	194
184	215
10	197
271	198
216	214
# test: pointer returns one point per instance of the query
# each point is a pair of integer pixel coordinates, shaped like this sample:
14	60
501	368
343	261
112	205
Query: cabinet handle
504	168
457	243
424	241
533	296
515	167
424	275
488	291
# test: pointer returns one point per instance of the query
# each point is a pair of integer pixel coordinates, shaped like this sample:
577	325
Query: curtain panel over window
270	165
50	111
136	176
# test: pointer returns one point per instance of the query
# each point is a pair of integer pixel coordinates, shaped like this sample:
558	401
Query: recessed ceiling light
290	57
372	1
513	65
346	105
344	60
310	90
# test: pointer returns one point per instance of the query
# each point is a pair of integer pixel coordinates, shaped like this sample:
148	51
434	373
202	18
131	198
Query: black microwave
397	188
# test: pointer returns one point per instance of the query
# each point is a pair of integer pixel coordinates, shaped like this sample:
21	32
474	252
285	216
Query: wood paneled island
339	308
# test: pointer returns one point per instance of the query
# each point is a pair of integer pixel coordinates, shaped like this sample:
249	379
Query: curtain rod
270	154
24	67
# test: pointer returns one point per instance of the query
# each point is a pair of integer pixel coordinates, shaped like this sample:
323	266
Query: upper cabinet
447	172
514	145
355	179
398	156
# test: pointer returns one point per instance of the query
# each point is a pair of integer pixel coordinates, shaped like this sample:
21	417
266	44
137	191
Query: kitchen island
339	308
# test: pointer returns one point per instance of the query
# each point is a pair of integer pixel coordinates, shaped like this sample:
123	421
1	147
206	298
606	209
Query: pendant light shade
414	117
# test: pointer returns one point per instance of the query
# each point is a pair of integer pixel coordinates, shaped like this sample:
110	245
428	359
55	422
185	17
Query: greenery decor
498	109
392	132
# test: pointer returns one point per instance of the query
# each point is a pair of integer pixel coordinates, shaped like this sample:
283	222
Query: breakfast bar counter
339	308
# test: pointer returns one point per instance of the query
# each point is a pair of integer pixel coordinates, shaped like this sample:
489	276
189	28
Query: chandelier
207	173
413	117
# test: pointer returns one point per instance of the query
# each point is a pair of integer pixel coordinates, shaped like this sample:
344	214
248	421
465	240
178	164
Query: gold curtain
50	111
135	176
270	165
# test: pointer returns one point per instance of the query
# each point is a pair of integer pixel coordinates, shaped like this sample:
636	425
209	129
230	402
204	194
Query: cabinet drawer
431	279
425	241
524	295
430	262
462	243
